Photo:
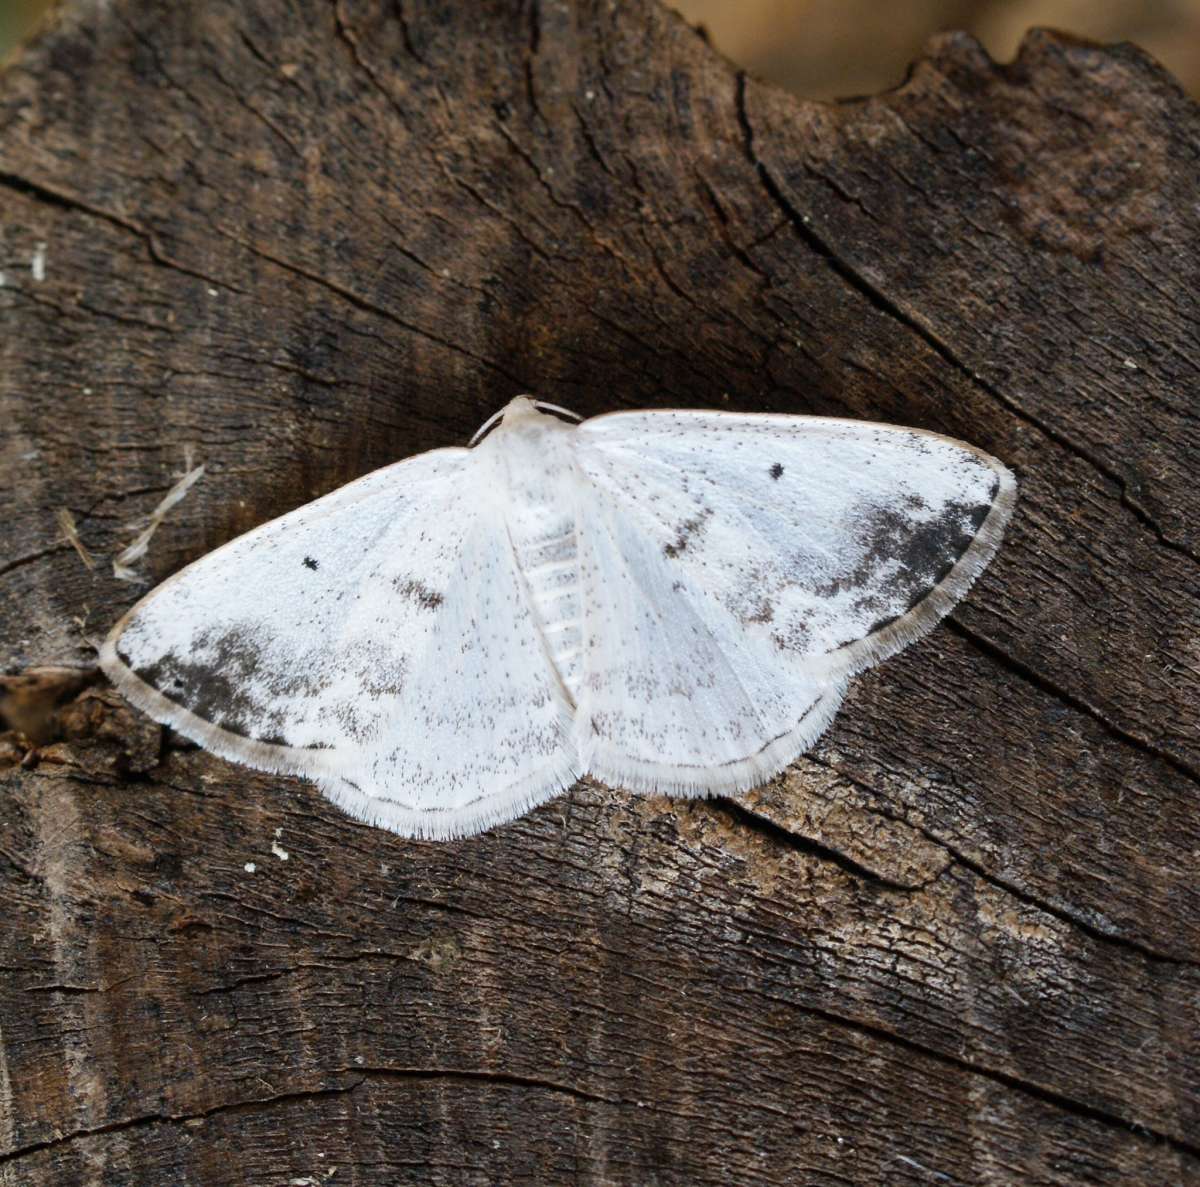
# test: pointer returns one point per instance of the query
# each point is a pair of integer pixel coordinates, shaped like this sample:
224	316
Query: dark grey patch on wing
980	513
239	651
311	563
216	691
221	689
417	591
684	534
923	553
927	553
776	471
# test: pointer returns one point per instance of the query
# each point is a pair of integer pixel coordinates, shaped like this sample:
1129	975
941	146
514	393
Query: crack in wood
779	835
1049	1096
1117	939
362	1075
50	197
1052	688
21	561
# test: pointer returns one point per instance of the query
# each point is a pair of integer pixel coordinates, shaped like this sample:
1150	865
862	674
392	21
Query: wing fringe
610	765
440	824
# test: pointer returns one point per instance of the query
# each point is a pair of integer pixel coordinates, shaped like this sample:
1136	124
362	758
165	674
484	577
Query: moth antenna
541	404
483	428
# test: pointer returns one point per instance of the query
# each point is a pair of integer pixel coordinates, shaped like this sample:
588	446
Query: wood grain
959	943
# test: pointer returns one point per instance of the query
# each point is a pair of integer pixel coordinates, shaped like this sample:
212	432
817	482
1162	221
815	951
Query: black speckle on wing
763	613
684	534
417	591
776	471
311	563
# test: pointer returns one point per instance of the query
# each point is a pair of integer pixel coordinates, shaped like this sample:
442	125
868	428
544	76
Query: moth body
535	470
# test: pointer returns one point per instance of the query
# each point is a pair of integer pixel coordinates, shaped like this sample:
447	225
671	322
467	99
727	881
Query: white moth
671	601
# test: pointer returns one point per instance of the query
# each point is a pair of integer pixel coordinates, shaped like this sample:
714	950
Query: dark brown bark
959	943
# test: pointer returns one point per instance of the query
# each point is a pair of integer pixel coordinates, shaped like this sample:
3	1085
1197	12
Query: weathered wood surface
960	943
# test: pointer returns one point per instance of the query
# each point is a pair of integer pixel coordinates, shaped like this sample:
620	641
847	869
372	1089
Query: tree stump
958	943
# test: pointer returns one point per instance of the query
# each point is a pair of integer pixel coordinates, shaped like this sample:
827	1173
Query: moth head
521	408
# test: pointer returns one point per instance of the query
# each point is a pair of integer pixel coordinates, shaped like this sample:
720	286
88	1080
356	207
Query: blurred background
16	19
826	49
834	48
